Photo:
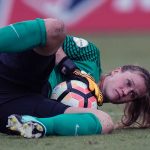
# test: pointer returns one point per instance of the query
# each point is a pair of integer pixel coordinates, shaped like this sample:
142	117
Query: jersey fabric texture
84	54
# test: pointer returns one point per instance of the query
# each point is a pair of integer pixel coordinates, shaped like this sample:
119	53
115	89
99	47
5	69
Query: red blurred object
82	15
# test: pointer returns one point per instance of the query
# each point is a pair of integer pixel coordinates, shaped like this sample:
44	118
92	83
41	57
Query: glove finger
90	84
97	93
100	99
96	90
93	87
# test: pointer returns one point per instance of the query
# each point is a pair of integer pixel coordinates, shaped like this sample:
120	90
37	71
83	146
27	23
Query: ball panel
92	102
58	90
80	86
74	93
73	99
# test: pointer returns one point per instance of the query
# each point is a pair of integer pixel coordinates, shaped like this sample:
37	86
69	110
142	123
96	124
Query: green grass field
116	50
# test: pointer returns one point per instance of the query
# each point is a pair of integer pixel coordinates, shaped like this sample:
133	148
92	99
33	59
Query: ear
116	71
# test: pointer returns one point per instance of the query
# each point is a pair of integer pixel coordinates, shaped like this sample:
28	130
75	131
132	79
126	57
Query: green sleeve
21	36
85	55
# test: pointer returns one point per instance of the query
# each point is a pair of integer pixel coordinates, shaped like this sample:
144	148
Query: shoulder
80	48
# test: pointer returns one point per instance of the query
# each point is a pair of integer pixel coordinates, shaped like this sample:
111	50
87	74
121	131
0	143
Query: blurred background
120	28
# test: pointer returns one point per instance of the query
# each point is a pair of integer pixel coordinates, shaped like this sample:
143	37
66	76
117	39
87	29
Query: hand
93	87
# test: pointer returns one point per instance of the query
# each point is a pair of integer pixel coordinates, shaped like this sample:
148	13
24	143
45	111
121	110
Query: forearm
22	36
44	36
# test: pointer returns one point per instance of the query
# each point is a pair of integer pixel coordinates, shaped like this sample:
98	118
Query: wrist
60	54
66	66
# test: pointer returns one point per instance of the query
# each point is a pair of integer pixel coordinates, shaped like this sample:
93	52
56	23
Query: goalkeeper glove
69	69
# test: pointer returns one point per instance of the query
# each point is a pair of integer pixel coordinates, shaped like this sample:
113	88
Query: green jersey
26	35
84	54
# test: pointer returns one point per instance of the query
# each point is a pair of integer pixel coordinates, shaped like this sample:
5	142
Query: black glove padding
66	66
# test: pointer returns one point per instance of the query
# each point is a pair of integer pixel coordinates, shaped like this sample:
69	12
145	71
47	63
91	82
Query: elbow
55	30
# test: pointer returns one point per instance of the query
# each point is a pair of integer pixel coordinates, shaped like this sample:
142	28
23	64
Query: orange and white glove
93	87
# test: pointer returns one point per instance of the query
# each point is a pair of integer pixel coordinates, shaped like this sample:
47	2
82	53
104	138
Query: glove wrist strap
67	66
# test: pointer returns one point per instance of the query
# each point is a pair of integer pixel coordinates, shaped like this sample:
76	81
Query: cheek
113	85
110	86
119	84
115	82
109	92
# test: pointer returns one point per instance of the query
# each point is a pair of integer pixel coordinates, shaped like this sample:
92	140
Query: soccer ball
74	93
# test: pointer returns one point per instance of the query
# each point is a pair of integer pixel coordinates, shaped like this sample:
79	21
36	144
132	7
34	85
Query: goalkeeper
31	49
27	59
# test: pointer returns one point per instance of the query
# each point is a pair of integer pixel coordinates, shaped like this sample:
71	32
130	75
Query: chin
113	100
111	97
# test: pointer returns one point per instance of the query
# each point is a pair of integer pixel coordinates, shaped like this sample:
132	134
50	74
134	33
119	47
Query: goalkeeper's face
121	87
